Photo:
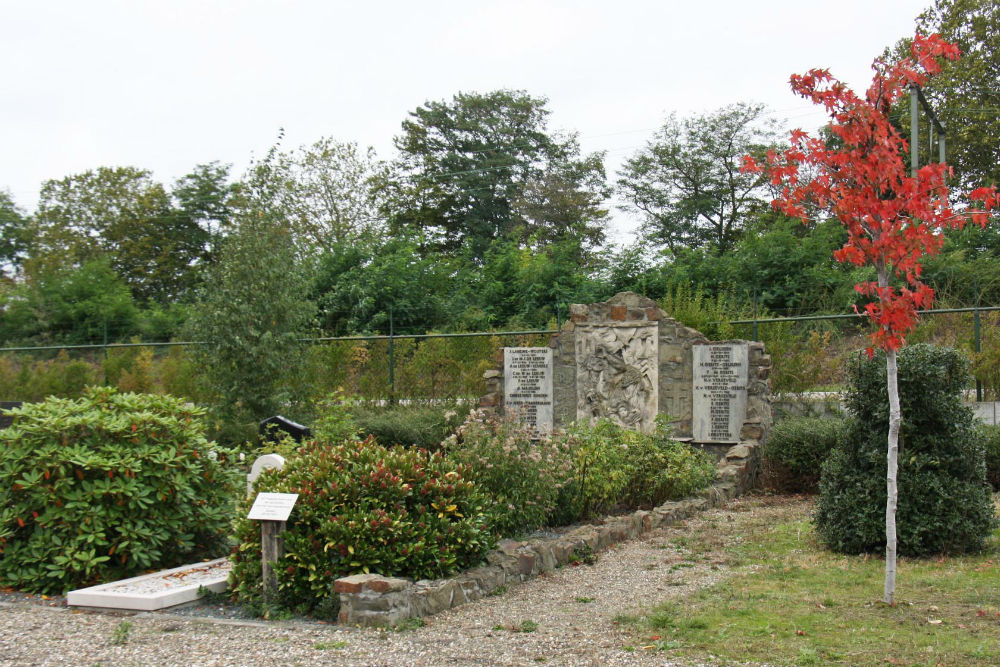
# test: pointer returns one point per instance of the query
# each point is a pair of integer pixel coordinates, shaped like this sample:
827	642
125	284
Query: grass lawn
787	601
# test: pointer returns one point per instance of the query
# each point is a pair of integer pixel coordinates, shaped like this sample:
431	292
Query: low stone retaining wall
374	600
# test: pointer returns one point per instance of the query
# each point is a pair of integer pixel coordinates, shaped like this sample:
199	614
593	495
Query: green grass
788	601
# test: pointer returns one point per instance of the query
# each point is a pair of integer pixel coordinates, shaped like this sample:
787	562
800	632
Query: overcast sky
167	84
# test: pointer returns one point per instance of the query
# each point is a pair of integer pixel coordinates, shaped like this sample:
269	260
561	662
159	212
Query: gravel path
575	609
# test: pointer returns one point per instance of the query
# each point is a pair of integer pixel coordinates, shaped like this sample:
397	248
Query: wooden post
272	510
272	548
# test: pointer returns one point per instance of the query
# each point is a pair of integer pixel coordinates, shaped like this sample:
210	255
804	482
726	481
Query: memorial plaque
272	506
527	385
720	391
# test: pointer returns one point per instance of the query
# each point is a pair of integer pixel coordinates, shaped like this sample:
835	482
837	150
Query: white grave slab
720	391
158	590
527	385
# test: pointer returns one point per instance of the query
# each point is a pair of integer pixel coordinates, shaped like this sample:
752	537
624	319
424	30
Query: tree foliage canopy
687	184
964	94
484	167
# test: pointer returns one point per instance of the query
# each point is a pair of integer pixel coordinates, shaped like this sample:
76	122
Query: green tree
251	313
71	305
485	167
964	96
204	199
358	286
327	189
686	184
122	214
13	235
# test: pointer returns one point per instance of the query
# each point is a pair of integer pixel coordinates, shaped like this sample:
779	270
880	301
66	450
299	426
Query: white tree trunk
892	384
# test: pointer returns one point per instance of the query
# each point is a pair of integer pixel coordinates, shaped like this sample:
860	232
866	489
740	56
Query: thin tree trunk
892	384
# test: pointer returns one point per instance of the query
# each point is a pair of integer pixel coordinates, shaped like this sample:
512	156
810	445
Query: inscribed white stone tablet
272	506
527	385
720	391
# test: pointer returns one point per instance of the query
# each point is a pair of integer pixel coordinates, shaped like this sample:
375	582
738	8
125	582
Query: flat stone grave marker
158	590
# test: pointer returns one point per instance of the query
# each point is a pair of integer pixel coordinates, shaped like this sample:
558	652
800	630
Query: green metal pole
392	364
979	348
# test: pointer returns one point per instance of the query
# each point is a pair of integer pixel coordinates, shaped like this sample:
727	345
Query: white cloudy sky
168	84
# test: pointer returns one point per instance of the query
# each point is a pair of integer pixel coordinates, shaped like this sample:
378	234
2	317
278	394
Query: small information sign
272	506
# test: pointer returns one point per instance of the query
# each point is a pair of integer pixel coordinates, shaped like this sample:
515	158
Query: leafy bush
660	469
522	477
364	508
796	449
419	425
944	501
107	486
991	442
598	477
614	467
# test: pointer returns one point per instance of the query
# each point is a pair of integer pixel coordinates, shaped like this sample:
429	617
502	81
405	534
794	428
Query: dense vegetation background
484	218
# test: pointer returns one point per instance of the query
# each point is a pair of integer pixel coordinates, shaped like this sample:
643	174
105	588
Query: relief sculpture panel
617	374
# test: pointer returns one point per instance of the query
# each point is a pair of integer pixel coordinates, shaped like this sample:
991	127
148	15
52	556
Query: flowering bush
364	508
522	476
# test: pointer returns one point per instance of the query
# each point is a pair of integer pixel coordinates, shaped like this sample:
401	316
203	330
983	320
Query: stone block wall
375	600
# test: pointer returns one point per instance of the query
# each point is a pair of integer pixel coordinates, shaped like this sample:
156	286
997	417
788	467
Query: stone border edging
375	600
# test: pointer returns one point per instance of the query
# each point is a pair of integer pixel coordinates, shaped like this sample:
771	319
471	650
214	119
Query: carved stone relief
617	374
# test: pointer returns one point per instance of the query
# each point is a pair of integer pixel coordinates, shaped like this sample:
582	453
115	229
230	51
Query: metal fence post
392	364
979	348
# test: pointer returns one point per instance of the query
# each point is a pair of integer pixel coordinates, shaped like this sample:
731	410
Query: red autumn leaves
861	176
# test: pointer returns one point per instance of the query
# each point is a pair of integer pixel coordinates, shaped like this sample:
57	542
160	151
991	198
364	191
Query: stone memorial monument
625	359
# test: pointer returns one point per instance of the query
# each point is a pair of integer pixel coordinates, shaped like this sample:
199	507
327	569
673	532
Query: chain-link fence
810	353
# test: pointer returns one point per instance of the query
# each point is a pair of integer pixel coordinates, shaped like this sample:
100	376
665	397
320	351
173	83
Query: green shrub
598	477
660	469
418	425
522	477
107	486
944	501
335	420
991	442
364	508
616	468
796	449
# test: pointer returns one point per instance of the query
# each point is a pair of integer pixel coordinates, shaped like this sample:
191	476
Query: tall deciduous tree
893	220
326	192
686	184
965	95
485	167
203	199
124	215
13	234
254	307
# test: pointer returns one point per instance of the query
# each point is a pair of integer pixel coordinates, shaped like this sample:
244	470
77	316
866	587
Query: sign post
272	510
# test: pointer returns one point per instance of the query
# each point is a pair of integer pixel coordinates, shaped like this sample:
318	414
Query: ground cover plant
107	486
784	599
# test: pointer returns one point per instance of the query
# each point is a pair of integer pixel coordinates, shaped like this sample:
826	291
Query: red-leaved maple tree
893	219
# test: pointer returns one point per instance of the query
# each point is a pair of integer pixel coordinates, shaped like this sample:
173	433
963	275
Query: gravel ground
575	610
